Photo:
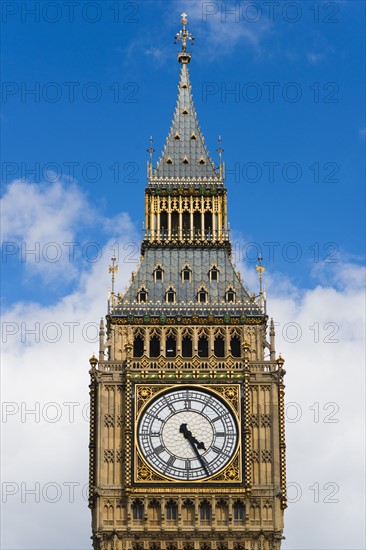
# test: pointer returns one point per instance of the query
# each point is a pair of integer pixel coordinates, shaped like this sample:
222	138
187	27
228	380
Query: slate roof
180	146
173	260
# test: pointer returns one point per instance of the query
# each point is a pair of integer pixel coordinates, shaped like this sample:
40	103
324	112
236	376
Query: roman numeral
216	450
159	449
220	434
171	461
171	408
208	401
219	417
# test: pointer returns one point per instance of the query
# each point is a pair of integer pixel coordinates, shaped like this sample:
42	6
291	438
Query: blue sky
293	132
105	78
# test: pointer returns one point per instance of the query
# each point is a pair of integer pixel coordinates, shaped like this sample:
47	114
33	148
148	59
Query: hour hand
188	435
195	445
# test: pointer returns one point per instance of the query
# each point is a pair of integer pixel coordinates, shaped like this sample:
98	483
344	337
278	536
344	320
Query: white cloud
45	367
39	219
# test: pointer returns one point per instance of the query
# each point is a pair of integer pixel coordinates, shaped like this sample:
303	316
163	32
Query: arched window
138	510
187	346
154	346
142	295
214	274
219	346
188	512
235	346
203	346
222	512
239	511
205	511
174	222
171	510
158	274
208	222
197	223
171	346
138	346
186	273
170	295
202	295
186	223
153	512
230	295
164	223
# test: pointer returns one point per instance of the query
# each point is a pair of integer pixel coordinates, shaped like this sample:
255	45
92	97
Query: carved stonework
255	455
254	420
109	420
108	455
267	456
266	420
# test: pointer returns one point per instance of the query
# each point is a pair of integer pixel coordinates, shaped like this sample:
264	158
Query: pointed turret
185	154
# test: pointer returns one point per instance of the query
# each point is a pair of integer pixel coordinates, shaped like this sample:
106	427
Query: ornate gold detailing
190	320
143	394
230	394
113	270
281	413
144	473
184	35
92	441
128	433
232	473
247	431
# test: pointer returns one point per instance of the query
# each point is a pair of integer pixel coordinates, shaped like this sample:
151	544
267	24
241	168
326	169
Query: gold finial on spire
184	35
260	268
150	150
220	150
113	269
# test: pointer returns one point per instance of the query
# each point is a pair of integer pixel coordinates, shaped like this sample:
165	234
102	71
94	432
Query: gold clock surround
231	473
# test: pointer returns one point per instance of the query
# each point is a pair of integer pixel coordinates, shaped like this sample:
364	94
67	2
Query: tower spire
185	155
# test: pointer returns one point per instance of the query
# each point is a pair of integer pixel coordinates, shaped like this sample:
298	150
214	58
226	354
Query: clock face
187	434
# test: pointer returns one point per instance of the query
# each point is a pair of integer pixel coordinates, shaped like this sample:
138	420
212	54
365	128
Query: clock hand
188	435
193	441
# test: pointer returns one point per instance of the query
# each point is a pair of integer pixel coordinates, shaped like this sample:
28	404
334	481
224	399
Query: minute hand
195	445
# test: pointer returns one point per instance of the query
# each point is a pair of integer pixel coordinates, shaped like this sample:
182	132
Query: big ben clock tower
187	448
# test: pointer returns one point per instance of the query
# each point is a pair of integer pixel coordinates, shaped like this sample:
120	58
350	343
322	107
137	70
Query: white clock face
187	434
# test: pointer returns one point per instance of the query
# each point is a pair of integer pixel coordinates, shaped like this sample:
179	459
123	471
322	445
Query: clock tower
187	447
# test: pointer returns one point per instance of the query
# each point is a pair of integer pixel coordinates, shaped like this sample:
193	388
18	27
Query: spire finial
260	268
184	35
113	269
220	150
150	150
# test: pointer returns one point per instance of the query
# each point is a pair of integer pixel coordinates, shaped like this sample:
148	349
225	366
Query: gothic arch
154	511
222	511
